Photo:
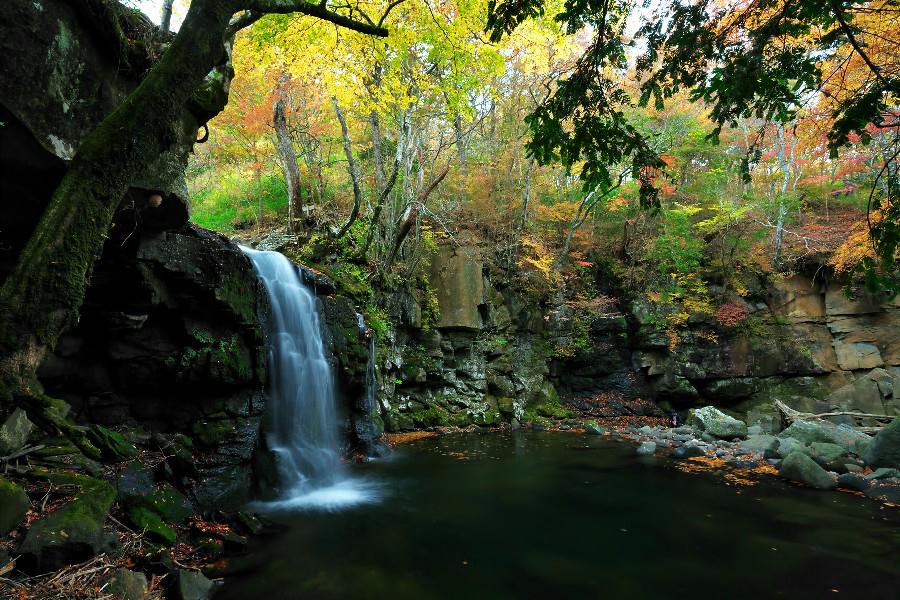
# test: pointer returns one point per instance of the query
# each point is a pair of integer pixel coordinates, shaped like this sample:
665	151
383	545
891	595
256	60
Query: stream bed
560	515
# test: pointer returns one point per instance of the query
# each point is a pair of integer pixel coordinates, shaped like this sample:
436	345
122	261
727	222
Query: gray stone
808	432
882	473
689	451
852	468
755	430
853	481
456	276
760	442
128	585
789	445
884	450
14	432
646	449
799	467
713	421
827	454
193	585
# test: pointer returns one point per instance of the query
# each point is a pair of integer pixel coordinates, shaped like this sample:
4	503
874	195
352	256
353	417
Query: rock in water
14	504
800	467
884	451
646	449
713	421
823	431
689	451
593	428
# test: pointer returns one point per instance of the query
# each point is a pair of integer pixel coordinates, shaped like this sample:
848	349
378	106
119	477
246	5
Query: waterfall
303	433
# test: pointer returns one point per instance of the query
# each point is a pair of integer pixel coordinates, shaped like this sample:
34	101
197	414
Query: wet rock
852	481
593	428
192	585
787	445
646	449
110	443
884	450
760	442
883	473
828	455
74	532
716	423
14	504
797	466
808	432
128	585
688	451
14	432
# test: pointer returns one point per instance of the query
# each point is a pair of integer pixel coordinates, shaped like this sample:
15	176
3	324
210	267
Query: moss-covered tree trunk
42	296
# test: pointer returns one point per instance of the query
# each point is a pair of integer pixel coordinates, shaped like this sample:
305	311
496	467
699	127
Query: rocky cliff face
495	353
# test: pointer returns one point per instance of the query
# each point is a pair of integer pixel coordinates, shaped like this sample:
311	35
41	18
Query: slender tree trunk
288	163
165	21
351	167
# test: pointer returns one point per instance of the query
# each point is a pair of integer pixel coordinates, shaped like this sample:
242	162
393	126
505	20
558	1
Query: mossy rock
14	504
213	432
73	533
148	521
167	502
553	411
593	428
112	444
433	416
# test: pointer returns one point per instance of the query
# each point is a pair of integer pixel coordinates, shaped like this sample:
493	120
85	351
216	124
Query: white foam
338	496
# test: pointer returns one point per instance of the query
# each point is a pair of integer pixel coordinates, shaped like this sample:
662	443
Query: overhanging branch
314	10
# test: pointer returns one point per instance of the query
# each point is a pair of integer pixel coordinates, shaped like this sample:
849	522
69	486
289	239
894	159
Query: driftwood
790	415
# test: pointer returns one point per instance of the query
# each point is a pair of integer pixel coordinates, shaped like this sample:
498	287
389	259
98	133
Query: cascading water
304	427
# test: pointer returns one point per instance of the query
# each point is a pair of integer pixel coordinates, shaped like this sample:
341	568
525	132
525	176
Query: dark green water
556	515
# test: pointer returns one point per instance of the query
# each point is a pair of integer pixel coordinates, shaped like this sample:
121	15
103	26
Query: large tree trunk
288	163
41	297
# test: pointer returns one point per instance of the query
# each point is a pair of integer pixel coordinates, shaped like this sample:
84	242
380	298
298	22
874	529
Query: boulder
14	432
827	454
593	428
883	473
711	420
788	445
867	394
849	438
689	451
192	585
884	451
128	585
801	468
760	443
14	504
73	533
646	449
852	481
110	443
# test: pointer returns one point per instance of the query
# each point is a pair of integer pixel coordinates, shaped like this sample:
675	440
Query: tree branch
245	19
314	10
